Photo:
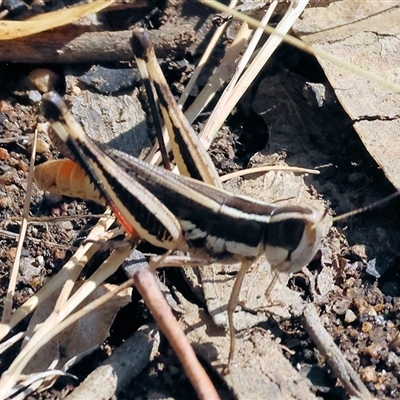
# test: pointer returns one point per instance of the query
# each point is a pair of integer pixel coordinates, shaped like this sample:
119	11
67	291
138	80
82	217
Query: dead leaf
259	371
16	29
366	34
80	338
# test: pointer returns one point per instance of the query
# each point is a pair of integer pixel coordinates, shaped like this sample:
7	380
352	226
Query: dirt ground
359	304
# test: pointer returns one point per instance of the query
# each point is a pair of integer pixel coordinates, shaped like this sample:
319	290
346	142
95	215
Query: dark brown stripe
157	122
139	44
159	183
286	234
187	158
146	219
179	136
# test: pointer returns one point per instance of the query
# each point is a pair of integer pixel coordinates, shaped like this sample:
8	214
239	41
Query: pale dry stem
216	119
315	51
59	320
204	58
8	302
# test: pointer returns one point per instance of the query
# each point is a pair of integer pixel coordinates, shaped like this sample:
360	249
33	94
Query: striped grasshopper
179	212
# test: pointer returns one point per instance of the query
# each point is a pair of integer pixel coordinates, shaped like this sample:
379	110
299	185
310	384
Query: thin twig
8	302
334	357
15	236
46	219
268	168
390	85
13	139
211	128
162	313
204	58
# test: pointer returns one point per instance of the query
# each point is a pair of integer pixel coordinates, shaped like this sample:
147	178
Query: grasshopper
186	213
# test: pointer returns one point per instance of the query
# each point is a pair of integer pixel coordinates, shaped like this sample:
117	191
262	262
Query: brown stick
117	371
74	44
334	357
161	311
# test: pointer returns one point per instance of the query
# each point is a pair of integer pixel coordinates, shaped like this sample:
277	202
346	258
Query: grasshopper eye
308	245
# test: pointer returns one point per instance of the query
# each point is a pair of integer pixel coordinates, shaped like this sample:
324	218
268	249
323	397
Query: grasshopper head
292	238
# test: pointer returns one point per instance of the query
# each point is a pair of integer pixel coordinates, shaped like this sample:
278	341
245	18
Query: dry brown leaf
365	33
80	338
16	29
259	370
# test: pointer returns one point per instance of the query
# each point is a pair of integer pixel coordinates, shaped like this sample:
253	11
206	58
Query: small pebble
367	309
76	90
371	269
23	166
34	96
395	345
37	282
340	307
368	374
65	225
350	317
44	79
42	146
5	106
5	202
55	212
11	253
380	320
374	350
59	253
353	333
4	154
13	161
392	360
8	177
367	327
40	261
379	307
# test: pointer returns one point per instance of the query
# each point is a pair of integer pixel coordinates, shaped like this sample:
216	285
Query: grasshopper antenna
366	208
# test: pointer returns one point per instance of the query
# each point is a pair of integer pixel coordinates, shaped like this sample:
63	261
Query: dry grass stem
204	58
59	320
70	271
216	119
393	87
8	302
224	99
257	170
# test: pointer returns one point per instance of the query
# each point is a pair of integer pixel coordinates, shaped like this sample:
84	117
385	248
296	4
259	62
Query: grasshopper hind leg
232	304
234	300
